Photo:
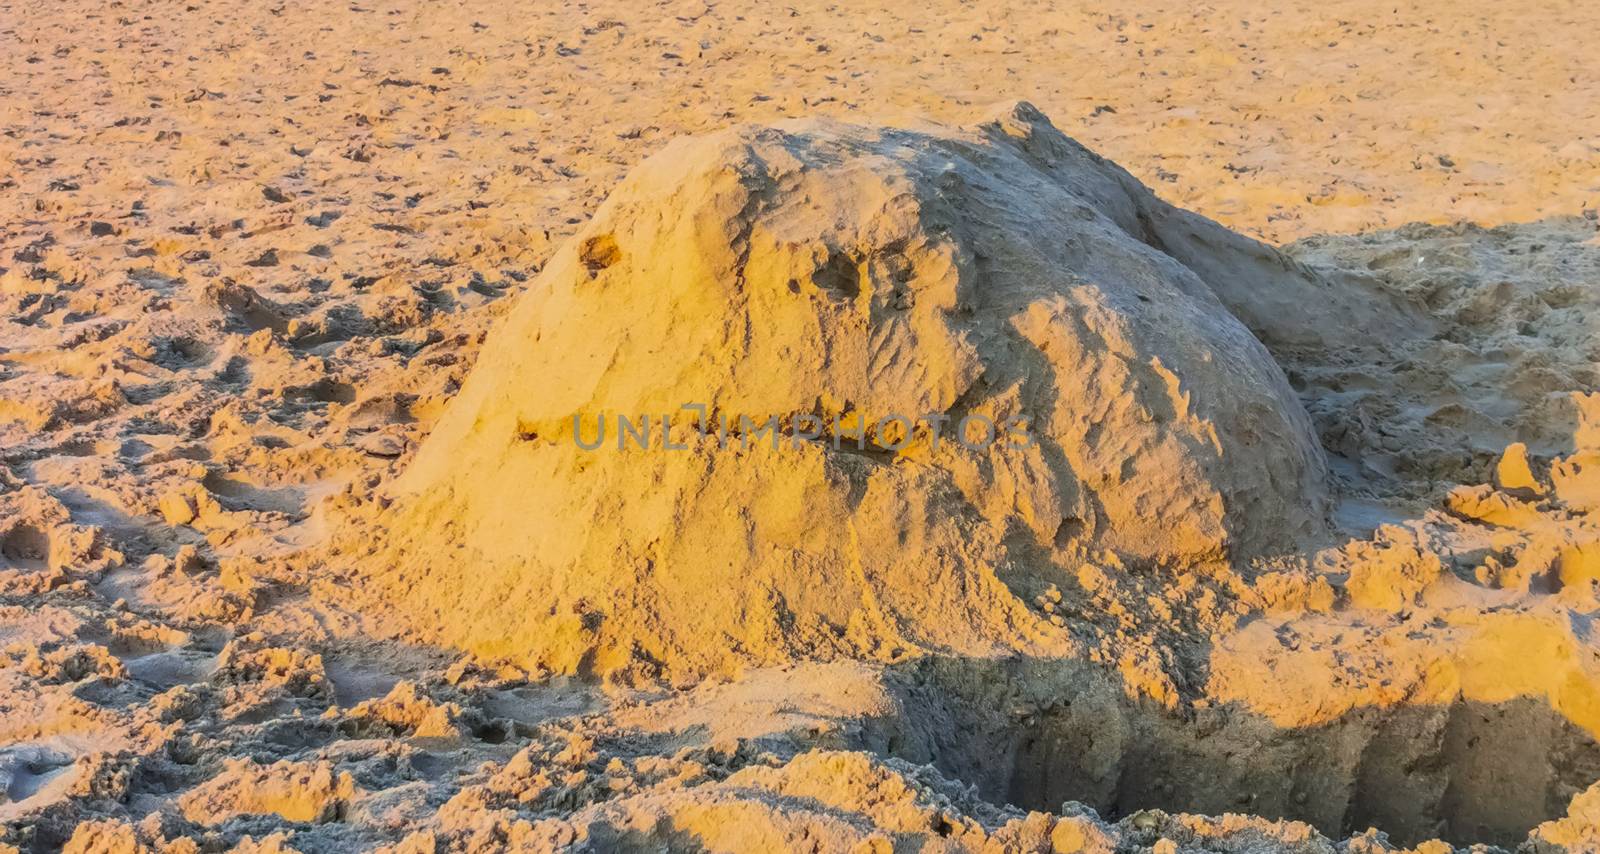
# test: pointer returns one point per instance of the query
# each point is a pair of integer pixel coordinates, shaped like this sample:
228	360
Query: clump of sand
989	355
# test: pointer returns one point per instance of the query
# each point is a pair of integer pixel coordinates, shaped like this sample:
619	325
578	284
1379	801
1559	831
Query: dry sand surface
299	552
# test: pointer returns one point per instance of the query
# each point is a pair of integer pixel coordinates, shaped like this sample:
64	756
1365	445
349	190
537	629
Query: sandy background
1285	121
248	252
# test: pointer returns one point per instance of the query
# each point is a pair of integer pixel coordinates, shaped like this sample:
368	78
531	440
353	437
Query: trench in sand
1466	772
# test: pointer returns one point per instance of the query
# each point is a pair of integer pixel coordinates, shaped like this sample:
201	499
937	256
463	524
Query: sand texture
1286	319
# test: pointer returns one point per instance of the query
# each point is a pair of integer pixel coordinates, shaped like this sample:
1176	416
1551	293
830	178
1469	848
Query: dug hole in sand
1145	605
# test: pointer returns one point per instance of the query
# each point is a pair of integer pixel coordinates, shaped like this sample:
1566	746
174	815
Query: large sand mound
847	281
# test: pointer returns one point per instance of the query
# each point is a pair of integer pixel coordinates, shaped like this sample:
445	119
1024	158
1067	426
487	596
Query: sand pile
867	382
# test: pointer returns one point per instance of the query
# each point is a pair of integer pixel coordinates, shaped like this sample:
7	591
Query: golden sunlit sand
1006	428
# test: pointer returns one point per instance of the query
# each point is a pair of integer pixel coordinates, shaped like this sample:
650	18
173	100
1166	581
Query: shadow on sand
1465	772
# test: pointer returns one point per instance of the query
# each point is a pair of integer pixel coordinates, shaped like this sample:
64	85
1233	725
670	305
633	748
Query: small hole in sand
599	252
838	275
25	547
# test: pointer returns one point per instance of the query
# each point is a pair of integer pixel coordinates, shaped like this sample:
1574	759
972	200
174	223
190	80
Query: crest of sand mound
872	290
